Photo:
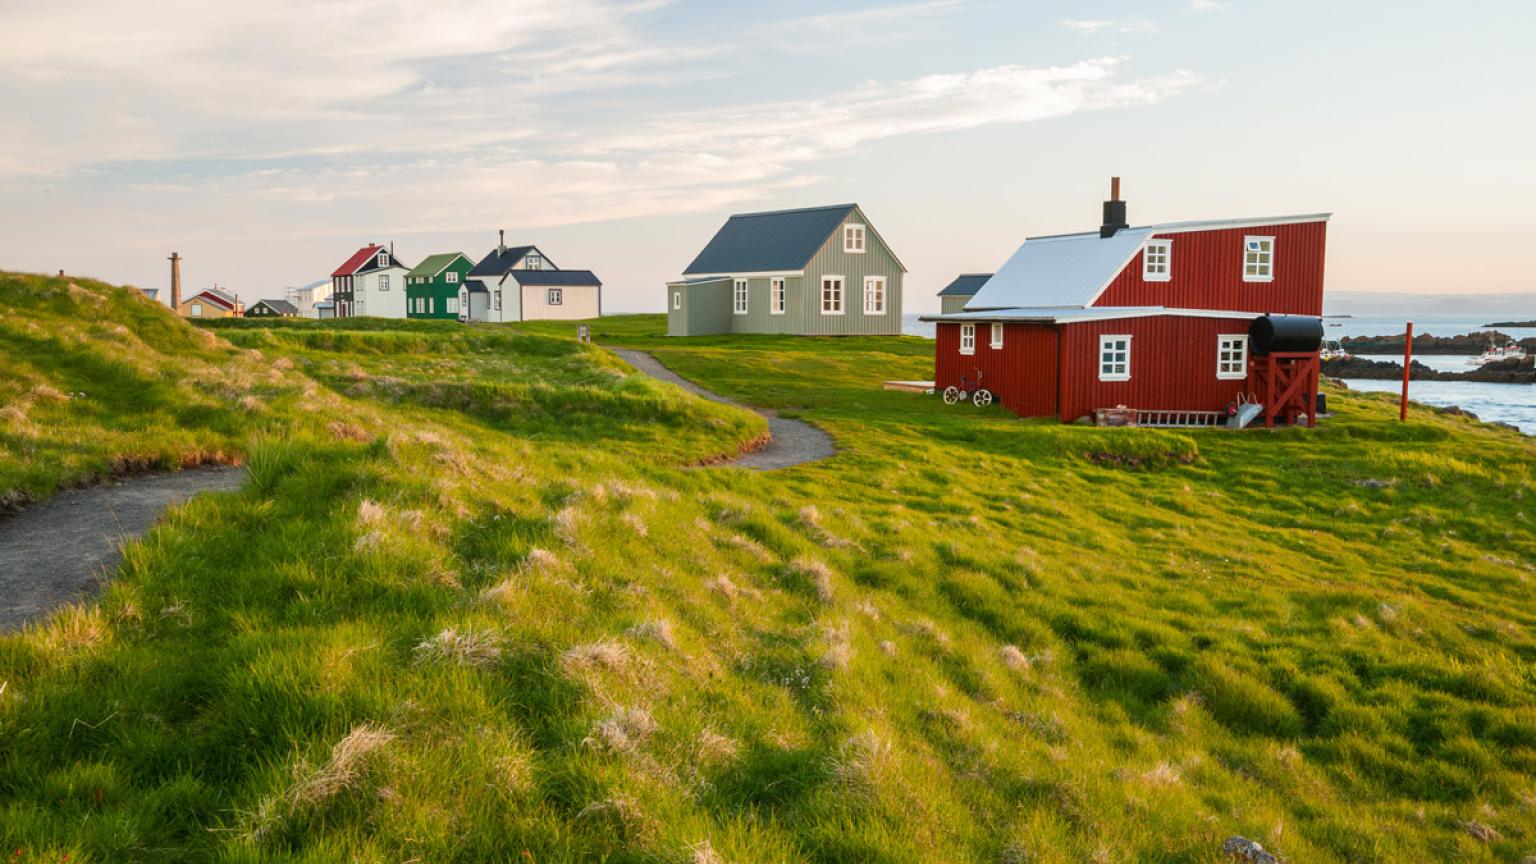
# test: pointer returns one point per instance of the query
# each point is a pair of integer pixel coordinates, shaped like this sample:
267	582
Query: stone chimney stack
175	281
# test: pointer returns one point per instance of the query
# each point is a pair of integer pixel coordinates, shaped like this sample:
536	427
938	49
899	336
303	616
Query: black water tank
1285	334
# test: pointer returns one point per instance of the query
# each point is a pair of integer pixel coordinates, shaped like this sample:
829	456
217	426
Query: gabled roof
555	277
1074	269
282	307
222	298
1070	314
357	260
435	264
765	242
498	261
965	285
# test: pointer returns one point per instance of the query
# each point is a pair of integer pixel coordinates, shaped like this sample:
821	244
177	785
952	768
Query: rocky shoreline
1519	370
1511	324
1426	343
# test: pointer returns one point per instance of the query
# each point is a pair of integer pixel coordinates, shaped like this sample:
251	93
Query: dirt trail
794	442
61	549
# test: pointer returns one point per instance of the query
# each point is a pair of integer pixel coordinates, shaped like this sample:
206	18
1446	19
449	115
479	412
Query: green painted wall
439	290
712	311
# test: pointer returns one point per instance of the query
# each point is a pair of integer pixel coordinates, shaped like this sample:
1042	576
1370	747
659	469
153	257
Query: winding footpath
794	442
62	549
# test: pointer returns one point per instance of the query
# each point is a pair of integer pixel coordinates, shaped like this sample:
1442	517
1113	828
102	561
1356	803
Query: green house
821	271
432	288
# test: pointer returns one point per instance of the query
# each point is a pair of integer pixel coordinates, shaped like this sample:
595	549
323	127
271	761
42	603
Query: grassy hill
474	605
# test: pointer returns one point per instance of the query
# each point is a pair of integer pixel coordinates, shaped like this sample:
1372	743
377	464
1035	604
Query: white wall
381	304
577	302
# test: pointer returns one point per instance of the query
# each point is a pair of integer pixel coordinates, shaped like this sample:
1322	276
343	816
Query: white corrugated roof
1066	314
1063	271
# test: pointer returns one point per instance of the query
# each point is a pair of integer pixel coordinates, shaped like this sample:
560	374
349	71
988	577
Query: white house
520	283
372	283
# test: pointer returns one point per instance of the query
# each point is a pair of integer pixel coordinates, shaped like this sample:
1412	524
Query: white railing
1181	419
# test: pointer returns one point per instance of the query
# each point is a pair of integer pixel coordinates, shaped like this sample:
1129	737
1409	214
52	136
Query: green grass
473	602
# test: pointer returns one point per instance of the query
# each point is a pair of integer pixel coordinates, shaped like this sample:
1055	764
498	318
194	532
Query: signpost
1407	365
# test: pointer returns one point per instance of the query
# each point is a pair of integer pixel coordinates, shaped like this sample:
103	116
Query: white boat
1512	351
1333	350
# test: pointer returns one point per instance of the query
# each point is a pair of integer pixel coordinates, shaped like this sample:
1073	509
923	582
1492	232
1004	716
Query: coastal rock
1427	343
1516	370
1244	849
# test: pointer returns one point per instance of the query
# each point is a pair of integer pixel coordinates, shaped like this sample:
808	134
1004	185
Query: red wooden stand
1286	384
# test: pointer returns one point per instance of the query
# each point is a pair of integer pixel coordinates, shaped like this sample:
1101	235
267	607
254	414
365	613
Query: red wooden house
1154	318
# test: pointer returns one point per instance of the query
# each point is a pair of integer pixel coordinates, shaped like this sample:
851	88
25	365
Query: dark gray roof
762	242
474	286
965	285
555	277
499	261
282	307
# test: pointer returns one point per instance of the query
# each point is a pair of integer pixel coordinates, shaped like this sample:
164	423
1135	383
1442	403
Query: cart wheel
952	395
983	398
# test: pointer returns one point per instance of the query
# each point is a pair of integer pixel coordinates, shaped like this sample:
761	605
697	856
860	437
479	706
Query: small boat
1495	353
1333	349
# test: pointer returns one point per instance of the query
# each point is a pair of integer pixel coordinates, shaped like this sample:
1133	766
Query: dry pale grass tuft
717	749
1013	658
635	522
723	586
48	393
477	649
860	761
566	525
810	519
346	769
888	647
867	609
817	573
372	523
658	631
1479	831
1162	774
751	547
839	646
621	818
342	430
251	404
704	853
74	628
623	731
596	655
929	630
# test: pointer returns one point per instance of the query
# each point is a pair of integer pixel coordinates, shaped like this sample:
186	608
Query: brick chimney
1114	211
175	281
501	240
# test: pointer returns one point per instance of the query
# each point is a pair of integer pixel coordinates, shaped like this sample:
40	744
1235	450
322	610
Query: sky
266	141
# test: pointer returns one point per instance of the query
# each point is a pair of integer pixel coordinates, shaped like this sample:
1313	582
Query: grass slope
473	606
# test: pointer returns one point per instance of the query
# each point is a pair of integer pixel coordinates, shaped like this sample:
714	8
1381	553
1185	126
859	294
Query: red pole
1407	363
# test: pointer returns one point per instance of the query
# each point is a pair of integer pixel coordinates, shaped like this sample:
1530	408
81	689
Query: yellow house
213	303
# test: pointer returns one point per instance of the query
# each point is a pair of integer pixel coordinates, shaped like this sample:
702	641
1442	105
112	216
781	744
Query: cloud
1208	5
1093	26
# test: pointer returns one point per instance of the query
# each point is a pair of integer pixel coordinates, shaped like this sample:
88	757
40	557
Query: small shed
959	292
272	309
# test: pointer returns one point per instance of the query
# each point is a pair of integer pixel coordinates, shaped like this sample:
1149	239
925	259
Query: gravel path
61	549
794	442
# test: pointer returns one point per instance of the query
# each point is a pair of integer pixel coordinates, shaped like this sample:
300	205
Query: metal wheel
952	395
983	398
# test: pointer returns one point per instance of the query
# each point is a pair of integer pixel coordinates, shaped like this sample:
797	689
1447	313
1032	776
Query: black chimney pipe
1114	211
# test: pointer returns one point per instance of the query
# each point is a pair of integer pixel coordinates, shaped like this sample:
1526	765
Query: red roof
216	297
357	260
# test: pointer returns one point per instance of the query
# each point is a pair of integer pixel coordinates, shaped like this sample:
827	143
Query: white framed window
197	310
431	302
997	336
533	262
776	296
384	282
1231	356
1114	358
831	295
967	338
874	295
1157	261
452	306
1258	259
853	238
383	259
739	296
555	296
453	277
677	299
498	299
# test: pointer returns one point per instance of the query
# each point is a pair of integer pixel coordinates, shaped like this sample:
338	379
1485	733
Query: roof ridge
1191	223
794	210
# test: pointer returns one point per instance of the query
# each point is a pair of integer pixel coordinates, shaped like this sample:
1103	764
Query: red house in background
1154	318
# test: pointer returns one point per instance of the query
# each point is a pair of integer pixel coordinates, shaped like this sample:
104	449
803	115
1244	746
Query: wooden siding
439	290
830	259
578	302
1173	365
1207	273
706	309
1022	375
952	304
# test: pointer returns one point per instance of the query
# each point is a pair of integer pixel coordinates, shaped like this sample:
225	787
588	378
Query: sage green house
822	271
432	288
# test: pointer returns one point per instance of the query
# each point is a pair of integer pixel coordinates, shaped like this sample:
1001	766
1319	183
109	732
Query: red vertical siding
1207	273
1173	365
1022	374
